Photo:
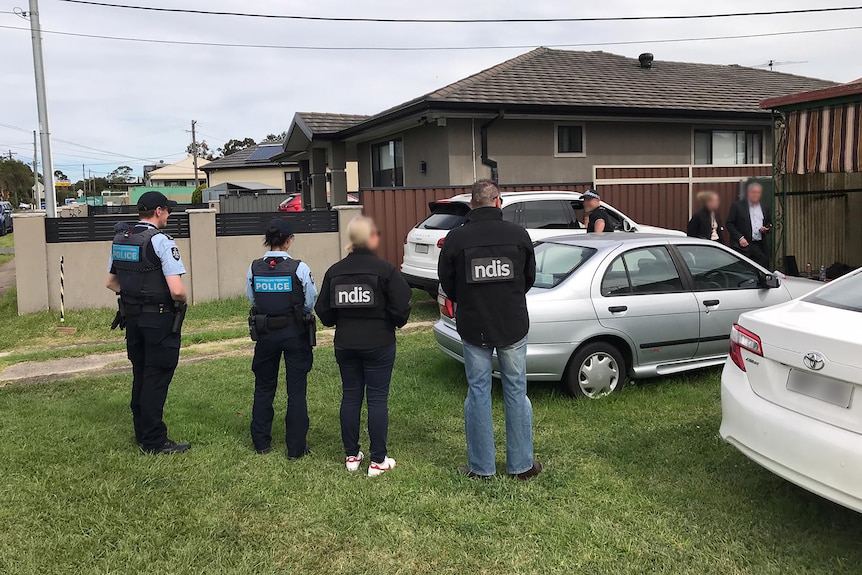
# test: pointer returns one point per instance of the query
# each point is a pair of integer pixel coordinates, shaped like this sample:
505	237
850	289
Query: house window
387	164
569	140
728	147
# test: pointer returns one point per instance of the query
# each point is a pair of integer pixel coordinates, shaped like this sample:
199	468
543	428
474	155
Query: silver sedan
607	307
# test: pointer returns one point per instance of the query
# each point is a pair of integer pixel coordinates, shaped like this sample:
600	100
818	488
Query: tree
204	150
16	181
60	176
120	176
233	146
197	195
274	138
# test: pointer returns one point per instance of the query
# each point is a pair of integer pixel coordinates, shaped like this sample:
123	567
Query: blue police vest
139	270
277	289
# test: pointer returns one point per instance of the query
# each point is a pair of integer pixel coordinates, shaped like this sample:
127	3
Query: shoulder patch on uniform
175	251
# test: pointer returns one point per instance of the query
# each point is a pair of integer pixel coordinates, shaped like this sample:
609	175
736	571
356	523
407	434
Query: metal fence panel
249	203
252	224
127	209
101	228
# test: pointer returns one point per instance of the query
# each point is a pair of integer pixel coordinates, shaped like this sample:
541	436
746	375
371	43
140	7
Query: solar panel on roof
264	153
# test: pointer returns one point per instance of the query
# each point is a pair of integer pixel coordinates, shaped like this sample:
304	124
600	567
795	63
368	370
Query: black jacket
365	298
487	266
739	221
600	213
700	225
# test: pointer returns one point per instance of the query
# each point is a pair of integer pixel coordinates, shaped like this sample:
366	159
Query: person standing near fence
282	293
145	270
486	267
366	299
748	223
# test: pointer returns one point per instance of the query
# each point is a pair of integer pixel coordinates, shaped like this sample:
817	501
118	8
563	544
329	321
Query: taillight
741	338
440	242
447	306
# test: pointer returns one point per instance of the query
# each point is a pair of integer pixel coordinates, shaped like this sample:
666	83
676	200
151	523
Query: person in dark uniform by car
366	299
599	220
486	267
145	270
282	292
748	223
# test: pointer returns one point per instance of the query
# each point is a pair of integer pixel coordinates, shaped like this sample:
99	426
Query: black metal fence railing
96	229
127	209
252	224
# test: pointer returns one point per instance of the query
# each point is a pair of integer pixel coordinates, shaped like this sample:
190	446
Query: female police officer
365	298
281	291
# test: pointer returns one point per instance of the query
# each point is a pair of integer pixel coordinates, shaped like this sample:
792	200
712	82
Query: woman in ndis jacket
366	299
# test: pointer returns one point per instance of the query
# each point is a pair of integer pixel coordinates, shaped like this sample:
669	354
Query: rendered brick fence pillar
31	262
345	214
202	261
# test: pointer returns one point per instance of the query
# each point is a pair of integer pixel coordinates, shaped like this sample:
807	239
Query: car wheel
2	229
595	370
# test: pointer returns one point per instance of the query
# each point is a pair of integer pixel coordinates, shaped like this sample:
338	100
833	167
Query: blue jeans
478	422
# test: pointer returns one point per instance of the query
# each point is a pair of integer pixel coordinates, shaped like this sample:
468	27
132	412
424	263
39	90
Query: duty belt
132	309
274	322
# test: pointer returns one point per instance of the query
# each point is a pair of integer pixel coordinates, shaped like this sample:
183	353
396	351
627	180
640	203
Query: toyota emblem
813	361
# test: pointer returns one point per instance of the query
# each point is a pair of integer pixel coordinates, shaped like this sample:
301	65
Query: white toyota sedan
791	390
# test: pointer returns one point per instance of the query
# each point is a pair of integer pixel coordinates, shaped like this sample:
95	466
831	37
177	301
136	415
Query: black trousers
365	372
154	352
298	359
756	251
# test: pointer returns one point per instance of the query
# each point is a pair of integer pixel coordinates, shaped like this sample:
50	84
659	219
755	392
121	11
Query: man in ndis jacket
487	267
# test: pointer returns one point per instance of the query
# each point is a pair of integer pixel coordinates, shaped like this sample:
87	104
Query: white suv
544	214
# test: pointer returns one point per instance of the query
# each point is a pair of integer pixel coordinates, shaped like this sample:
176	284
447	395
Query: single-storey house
818	175
255	164
648	133
178	175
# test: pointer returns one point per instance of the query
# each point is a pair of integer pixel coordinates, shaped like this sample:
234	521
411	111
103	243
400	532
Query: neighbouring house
243	197
255	164
818	174
648	133
178	175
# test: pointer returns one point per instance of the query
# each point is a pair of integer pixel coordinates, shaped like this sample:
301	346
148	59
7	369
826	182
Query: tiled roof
240	159
322	123
596	80
849	90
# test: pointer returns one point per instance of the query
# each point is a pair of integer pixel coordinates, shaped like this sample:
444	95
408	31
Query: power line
459	20
440	48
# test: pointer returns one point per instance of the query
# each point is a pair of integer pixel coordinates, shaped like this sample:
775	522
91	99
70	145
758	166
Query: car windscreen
846	294
445	216
556	262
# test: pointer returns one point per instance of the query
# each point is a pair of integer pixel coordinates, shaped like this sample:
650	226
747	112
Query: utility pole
37	202
195	151
42	105
84	179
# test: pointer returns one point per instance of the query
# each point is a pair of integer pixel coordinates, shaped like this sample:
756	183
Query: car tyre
595	371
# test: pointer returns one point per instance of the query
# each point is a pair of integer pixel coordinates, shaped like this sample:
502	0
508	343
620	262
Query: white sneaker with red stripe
354	461
376	469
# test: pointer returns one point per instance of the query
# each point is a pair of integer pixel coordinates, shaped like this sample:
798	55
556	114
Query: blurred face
590	204
374	240
754	193
161	216
712	203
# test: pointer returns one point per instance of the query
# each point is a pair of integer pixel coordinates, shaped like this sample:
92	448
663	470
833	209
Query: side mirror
770	281
627	226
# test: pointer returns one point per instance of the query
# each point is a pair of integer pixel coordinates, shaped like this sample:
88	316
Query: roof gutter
483	134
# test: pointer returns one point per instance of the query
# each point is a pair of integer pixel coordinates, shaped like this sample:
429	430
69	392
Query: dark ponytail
275	238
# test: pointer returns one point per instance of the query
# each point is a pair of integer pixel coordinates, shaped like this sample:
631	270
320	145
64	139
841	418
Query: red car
293	203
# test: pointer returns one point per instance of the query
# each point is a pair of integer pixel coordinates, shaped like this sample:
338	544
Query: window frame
565	213
682	274
557	152
387	142
748	133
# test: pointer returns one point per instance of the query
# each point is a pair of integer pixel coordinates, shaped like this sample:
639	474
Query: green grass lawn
7	241
209	321
637	483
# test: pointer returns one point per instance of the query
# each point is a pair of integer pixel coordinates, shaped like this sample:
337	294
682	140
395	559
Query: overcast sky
137	99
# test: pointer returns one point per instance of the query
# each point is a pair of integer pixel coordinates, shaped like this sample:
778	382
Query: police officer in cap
366	299
282	292
599	218
145	270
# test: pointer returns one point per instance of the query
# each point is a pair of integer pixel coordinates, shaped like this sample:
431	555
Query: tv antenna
772	64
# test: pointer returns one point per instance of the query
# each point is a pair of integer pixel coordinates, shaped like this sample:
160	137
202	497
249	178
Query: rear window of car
442	222
556	262
846	294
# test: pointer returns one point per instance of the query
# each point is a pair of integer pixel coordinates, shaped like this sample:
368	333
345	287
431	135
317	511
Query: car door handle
711	302
618	308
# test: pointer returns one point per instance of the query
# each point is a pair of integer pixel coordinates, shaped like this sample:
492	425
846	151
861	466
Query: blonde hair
359	231
706	195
